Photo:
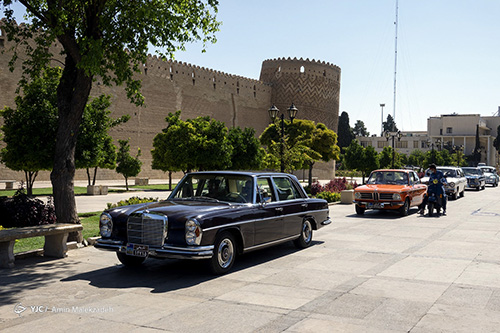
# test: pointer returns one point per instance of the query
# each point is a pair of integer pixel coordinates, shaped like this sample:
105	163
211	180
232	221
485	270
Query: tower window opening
302	69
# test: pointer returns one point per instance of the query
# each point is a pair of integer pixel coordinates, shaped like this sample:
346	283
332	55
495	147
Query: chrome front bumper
166	251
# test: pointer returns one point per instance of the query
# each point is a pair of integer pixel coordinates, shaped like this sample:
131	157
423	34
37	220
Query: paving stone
427	269
481	274
418	291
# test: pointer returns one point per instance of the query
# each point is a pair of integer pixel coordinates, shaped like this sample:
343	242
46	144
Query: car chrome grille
366	195
376	196
148	229
385	196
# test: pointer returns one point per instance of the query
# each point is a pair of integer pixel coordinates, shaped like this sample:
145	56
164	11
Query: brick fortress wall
169	86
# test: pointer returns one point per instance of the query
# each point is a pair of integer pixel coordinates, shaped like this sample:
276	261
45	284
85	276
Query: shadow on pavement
31	274
382	214
171	274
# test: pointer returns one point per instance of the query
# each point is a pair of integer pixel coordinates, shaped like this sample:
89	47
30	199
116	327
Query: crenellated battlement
156	66
301	60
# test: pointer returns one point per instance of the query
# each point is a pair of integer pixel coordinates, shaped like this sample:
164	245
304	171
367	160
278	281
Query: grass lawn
90	223
46	191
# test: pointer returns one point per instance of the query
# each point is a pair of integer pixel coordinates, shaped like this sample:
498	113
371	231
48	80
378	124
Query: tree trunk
95	175
30	180
72	96
126	183
310	179
88	177
170	180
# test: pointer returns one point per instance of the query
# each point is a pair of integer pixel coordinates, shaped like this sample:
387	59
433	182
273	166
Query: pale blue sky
448	51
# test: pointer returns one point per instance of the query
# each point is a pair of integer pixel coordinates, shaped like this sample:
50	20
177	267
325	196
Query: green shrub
348	173
131	201
329	196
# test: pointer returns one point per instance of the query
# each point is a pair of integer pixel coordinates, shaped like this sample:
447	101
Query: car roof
393	170
244	173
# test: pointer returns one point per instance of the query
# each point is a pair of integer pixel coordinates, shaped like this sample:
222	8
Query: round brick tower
313	87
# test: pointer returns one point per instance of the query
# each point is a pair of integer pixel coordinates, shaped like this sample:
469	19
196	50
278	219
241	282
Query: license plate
375	205
137	250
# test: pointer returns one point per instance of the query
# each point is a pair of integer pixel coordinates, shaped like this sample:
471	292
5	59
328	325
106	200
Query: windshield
472	171
388	177
215	187
448	172
490	170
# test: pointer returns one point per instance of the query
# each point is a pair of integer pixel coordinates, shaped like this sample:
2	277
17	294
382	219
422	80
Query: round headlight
105	225
357	195
193	232
396	196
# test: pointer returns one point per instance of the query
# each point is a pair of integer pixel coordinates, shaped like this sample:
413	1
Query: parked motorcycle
435	197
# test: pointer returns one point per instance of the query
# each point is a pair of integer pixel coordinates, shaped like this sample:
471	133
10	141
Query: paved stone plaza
376	273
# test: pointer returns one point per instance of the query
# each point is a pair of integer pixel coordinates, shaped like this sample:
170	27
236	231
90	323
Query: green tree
360	129
446	157
458	159
95	148
212	149
477	148
345	134
385	158
390	125
433	157
416	158
362	159
105	39
496	141
369	161
29	130
353	156
194	144
246	151
305	143
128	166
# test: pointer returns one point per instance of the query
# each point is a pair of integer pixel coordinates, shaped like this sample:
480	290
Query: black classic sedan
214	216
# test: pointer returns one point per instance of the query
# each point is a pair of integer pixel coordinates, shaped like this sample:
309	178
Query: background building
452	130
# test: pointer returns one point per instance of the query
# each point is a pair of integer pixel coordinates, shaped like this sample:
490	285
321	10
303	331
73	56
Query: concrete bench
9	184
56	236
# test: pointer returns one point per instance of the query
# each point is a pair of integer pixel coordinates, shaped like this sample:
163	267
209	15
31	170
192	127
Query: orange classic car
390	190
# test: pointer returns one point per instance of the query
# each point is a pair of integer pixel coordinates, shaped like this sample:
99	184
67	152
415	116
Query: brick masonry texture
168	86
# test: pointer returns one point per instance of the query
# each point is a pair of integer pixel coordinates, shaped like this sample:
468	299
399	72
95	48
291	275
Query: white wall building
446	130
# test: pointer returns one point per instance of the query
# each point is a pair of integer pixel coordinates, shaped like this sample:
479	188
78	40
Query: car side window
265	188
286	190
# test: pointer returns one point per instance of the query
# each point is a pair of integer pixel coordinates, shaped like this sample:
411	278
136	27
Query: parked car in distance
490	174
475	178
455	180
214	216
390	189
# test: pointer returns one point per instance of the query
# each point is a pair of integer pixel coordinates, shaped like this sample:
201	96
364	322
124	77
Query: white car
455	178
490	175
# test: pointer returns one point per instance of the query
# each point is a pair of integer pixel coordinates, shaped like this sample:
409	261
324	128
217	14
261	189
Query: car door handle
279	209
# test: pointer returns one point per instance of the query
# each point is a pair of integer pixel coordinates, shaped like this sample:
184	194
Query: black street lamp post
273	113
431	144
393	135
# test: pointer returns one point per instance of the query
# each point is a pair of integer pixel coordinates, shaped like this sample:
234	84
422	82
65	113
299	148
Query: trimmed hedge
24	211
131	201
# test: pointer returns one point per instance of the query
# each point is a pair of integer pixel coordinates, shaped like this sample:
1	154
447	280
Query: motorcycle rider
438	176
